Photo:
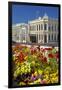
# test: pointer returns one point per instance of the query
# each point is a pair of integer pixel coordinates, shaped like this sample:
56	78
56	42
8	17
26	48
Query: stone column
28	33
43	26
19	35
47	26
25	35
43	33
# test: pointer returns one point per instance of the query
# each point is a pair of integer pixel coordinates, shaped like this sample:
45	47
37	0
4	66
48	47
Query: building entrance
33	39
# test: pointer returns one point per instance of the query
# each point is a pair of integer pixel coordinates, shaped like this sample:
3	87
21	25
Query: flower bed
35	65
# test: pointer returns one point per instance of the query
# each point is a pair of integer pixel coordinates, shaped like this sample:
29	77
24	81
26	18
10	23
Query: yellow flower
34	56
30	83
53	79
33	62
39	80
21	83
27	50
48	81
56	79
57	72
26	58
32	75
53	75
35	73
46	72
46	77
40	71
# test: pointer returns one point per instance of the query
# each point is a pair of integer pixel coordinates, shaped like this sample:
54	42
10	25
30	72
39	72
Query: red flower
21	57
50	55
45	59
33	50
57	55
42	50
49	48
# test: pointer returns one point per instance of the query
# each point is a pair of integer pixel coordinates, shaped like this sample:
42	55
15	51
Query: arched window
45	26
48	27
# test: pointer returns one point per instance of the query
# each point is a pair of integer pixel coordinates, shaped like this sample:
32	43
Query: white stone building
20	33
44	30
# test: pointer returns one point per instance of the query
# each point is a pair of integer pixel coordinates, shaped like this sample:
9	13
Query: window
58	37
45	38
45	26
52	36
55	27
41	27
30	27
55	37
37	27
33	27
52	27
39	37
48	27
49	37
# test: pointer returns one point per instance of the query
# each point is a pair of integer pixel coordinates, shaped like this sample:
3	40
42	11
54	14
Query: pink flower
43	82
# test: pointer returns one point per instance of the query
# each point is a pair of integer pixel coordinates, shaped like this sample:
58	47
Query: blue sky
24	13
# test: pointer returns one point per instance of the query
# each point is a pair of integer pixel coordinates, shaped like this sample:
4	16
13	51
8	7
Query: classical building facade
20	33
42	30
